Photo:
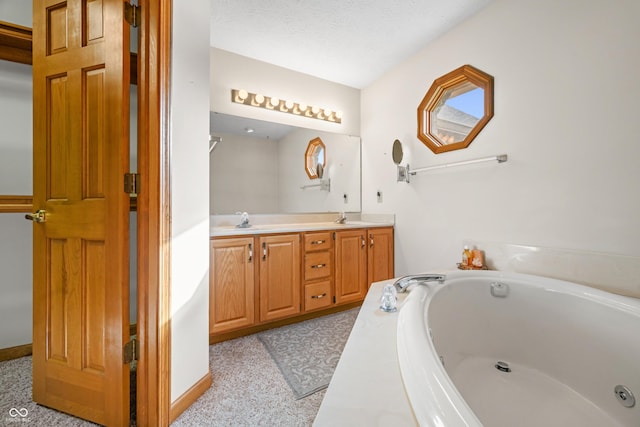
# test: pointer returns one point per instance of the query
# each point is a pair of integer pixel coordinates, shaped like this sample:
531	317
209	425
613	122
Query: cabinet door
350	266
279	276
380	254
232	284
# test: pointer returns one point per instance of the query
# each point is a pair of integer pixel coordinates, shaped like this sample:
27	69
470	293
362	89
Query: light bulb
288	105
242	94
259	99
274	101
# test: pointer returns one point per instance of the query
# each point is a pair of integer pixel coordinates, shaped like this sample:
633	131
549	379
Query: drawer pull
319	266
318	242
319	296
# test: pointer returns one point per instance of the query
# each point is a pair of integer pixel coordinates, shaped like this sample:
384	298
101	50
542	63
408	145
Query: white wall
15	179
244	175
189	196
566	101
16	12
16	116
231	71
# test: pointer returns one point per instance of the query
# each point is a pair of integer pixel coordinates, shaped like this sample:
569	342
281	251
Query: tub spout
403	283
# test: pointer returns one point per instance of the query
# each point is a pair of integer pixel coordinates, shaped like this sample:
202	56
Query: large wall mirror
259	167
455	109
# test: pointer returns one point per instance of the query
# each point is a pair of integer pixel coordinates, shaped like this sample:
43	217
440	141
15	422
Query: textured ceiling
352	42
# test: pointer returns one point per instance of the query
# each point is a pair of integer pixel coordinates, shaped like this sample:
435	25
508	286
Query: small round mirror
397	152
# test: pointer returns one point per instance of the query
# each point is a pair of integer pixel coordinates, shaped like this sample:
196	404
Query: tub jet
624	396
503	366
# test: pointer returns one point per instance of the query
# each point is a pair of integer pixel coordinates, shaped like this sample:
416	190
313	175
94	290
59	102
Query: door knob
37	216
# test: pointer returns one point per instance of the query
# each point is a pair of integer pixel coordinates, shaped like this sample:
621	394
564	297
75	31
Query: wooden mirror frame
461	75
309	157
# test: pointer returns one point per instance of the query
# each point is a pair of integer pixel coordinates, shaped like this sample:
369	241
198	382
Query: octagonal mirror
455	109
314	158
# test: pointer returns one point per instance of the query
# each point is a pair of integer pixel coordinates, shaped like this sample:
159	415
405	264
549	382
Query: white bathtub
568	346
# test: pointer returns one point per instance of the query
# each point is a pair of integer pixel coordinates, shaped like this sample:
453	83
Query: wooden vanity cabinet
263	280
279	276
379	254
361	258
351	265
318	270
232	284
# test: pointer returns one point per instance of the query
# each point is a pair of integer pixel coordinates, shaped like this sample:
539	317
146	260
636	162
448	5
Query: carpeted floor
248	390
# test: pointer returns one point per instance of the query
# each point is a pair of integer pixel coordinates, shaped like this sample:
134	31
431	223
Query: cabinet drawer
317	265
317	295
317	241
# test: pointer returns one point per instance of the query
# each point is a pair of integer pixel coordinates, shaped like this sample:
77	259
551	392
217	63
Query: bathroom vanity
270	275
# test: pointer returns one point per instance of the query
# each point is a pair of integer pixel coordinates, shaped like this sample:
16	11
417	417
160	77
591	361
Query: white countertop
230	230
366	388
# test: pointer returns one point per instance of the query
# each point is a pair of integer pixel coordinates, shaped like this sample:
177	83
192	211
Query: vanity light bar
241	96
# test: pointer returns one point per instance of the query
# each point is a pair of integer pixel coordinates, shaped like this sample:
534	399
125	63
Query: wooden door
279	276
350	266
380	255
81	253
232	284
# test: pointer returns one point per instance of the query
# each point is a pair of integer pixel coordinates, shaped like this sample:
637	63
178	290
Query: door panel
80	282
380	255
351	266
232	289
279	276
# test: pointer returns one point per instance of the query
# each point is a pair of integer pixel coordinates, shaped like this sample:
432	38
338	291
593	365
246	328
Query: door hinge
131	183
130	351
334	235
334	299
132	14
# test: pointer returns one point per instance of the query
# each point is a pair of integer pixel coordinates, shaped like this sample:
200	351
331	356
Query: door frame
153	205
154	213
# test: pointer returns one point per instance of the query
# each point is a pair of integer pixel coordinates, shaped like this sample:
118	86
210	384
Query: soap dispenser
467	257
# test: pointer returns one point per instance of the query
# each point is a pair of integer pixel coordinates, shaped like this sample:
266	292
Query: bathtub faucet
403	283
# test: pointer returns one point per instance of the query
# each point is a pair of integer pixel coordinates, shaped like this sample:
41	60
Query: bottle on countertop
467	256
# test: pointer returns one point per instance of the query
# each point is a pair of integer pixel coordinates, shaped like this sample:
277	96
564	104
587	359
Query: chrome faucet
244	220
342	218
403	283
